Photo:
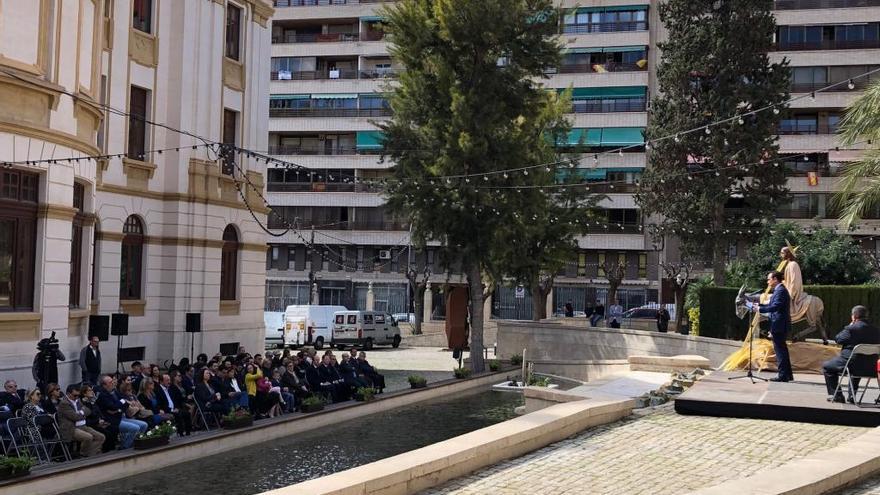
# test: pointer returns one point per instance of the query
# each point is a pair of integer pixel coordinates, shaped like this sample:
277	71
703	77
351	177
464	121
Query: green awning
372	95
595	49
627	170
622	136
617	49
334	96
289	97
588	137
369	140
372	18
581	173
613	8
608	92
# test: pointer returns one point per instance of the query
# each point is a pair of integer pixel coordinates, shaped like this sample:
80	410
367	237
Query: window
18	239
380	319
131	269
582	265
340	319
601	264
233	31
95	265
230	123
229	264
137	126
368	319
76	245
643	266
142	15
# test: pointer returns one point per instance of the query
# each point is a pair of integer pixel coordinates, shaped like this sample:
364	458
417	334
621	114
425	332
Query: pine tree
714	66
469	102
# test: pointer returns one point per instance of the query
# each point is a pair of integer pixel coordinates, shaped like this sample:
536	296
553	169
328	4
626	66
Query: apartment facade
113	197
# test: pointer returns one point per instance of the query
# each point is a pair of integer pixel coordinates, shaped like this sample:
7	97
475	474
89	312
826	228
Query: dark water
296	458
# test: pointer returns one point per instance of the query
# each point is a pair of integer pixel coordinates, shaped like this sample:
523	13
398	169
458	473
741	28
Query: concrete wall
583	352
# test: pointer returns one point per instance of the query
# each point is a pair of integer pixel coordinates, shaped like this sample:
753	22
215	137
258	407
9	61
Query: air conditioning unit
384	254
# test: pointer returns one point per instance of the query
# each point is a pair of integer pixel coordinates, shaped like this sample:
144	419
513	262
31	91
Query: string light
851	85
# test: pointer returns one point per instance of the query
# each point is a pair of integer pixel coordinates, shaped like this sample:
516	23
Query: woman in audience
251	375
136	410
147	398
94	420
50	400
31	410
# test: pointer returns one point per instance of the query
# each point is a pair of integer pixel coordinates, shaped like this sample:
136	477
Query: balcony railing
802	129
609	106
318	150
319	187
605	27
380	225
606	67
827	45
329	37
612	228
336	74
329	112
606	188
858	85
822	4
322	3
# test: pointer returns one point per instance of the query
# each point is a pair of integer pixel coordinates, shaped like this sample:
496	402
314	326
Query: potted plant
312	404
461	373
364	394
516	359
494	365
417	381
237	418
539	381
155	437
13	467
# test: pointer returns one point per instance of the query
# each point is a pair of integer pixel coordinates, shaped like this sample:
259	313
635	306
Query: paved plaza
653	452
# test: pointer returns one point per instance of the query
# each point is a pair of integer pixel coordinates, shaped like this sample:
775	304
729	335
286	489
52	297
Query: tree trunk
612	292
419	306
539	302
475	284
679	308
719	248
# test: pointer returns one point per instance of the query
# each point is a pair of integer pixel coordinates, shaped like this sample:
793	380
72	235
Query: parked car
274	321
364	329
309	324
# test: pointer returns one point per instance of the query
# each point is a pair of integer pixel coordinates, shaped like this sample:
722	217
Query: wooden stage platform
803	400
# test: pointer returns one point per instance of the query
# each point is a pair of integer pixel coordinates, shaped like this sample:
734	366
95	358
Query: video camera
49	343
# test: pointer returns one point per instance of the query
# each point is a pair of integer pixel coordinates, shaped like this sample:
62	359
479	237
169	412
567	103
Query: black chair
46	422
24	442
5	436
203	415
862	363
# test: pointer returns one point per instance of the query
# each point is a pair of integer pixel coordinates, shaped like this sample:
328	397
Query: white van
364	329
274	321
309	324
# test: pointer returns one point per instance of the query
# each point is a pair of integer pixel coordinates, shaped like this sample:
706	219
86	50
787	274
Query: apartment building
330	69
101	211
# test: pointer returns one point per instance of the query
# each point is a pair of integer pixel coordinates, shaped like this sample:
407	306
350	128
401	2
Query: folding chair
24	443
5	436
862	363
50	443
204	416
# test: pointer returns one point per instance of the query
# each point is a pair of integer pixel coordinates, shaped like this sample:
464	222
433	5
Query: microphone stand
756	328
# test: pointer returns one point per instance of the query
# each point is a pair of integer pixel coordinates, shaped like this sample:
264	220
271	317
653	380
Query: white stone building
149	234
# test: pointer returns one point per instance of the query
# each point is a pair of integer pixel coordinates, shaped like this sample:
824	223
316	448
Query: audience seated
208	397
150	400
72	423
234	390
376	379
95	421
178	403
51	398
113	410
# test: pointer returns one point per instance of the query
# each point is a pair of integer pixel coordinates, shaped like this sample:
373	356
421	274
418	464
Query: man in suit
165	401
859	331
71	418
778	311
234	391
90	361
113	410
9	397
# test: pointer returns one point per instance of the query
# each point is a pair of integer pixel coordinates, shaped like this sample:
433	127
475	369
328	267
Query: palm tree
860	182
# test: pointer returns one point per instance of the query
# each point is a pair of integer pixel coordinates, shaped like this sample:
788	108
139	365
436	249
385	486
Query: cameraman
45	366
90	361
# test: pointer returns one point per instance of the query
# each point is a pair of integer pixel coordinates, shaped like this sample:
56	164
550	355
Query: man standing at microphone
778	311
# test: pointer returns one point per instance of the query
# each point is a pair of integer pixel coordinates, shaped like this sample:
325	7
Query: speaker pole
192	345
118	346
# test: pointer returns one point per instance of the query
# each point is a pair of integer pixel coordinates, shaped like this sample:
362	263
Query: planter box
238	423
7	474
311	408
418	385
150	443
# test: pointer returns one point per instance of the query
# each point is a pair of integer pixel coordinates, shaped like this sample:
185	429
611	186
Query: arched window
229	265
131	270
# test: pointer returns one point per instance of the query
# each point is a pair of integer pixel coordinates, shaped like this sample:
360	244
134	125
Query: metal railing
609	105
822	4
337	74
800	129
380	225
329	112
612	228
606	67
317	151
606	188
826	45
605	27
329	37
858	85
322	3
319	187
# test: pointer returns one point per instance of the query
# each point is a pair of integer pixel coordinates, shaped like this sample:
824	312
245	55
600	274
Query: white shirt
235	386
167	396
78	409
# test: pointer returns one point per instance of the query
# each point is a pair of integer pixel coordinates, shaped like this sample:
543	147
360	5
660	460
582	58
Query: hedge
718	317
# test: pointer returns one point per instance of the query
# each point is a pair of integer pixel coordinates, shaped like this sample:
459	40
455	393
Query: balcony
611	228
378	73
605	27
822	4
322	3
599	68
800	129
320	187
609	105
606	188
330	37
826	45
857	85
329	112
319	150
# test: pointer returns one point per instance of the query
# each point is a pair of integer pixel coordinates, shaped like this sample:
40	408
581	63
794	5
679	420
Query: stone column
371	298
428	303
315	293
549	308
487	309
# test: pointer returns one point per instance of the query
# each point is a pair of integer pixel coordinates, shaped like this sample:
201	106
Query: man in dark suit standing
778	311
859	331
90	361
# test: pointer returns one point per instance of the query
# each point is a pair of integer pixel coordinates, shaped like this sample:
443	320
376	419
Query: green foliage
237	413
417	380
859	191
539	381
16	464
364	393
165	429
714	66
717	317
516	359
694	318
824	256
461	372
313	400
692	297
494	365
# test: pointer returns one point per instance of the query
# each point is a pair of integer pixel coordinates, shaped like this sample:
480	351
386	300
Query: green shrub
516	359
16	464
313	400
539	381
364	393
461	372
494	365
417	380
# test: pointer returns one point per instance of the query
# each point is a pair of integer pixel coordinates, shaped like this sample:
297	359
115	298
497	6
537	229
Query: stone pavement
653	452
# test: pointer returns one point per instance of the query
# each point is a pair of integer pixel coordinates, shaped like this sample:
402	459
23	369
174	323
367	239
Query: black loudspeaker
99	325
119	324
229	348
193	322
130	354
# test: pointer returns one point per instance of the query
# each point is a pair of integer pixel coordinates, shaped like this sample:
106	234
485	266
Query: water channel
288	460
